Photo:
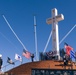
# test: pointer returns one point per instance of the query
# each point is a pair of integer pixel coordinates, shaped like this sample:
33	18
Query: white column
55	36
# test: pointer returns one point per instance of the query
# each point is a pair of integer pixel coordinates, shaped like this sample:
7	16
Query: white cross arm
49	21
60	17
57	18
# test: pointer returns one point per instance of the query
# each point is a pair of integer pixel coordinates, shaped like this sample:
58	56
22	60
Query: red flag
26	54
68	49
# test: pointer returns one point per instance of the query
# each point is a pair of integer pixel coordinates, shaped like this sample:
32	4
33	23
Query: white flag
18	57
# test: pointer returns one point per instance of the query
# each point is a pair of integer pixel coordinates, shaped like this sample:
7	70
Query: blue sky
19	14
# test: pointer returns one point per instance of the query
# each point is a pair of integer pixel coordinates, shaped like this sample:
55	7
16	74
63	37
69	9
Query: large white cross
55	37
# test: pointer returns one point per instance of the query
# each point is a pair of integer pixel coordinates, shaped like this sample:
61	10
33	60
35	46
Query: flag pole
47	42
35	38
22	60
67	34
8	65
14	32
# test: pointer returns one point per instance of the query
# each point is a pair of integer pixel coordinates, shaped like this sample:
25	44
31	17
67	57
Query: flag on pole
26	54
10	61
18	57
68	49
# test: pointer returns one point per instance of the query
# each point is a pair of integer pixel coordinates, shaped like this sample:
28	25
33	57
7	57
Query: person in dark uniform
32	57
65	59
1	61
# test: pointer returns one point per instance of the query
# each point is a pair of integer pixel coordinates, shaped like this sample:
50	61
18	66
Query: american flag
26	54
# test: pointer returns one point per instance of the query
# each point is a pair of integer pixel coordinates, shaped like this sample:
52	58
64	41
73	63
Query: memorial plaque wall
53	72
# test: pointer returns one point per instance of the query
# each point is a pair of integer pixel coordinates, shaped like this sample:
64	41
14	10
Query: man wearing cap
1	61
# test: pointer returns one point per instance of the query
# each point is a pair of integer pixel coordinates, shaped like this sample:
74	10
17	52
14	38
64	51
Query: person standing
65	59
1	61
32	57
